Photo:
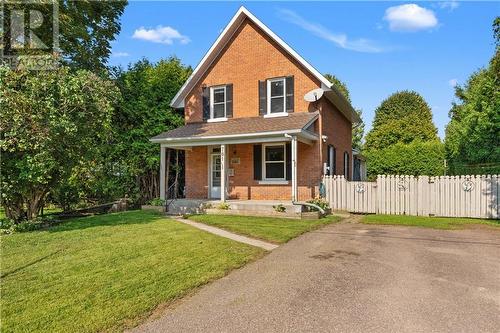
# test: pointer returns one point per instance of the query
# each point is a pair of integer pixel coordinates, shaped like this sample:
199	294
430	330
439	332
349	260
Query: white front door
215	173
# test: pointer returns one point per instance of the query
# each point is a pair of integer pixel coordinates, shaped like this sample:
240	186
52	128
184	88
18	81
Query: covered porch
250	161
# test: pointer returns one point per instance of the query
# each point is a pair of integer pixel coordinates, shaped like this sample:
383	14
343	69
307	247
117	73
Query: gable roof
226	35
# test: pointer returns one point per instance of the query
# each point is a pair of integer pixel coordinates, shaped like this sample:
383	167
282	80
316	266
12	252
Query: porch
248	159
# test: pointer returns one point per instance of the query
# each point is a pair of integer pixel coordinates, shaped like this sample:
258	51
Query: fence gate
453	196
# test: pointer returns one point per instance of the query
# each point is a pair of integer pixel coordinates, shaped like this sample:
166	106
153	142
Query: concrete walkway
351	277
223	233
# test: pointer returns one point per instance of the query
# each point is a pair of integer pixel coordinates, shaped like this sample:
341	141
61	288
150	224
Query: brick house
249	132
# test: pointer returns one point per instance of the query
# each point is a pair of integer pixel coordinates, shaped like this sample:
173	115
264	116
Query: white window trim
264	177
274	182
212	119
277	114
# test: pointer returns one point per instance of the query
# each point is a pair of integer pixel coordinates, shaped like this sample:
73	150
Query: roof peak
223	38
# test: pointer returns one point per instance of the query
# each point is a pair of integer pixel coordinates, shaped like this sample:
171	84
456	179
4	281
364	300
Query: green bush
157	202
319	202
416	158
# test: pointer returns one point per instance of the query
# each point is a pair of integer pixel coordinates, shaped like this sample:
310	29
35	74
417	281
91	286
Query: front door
215	174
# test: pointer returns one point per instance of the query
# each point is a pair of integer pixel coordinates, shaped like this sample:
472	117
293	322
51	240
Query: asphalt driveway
355	278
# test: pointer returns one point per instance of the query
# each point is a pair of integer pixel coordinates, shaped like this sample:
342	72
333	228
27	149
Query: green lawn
107	272
429	222
277	230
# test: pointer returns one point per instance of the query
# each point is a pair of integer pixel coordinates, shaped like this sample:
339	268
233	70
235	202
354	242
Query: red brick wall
242	185
197	173
339	131
250	57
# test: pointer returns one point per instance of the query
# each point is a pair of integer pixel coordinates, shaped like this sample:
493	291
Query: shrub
416	158
319	202
280	208
157	202
223	206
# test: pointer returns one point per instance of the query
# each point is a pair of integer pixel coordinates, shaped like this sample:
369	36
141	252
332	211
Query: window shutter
257	162
289	94
288	157
229	101
206	102
262	97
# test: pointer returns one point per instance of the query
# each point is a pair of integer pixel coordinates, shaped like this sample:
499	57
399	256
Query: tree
144	112
403	117
358	130
51	122
86	29
340	85
472	135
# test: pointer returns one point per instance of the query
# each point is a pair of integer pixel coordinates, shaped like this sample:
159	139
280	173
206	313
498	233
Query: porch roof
234	128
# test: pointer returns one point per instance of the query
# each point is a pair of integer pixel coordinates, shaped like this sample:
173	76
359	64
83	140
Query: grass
428	222
276	230
108	272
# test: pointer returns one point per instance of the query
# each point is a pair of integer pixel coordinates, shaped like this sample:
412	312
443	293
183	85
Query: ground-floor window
274	166
346	165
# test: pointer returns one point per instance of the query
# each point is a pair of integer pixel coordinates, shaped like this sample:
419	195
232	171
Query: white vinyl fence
453	196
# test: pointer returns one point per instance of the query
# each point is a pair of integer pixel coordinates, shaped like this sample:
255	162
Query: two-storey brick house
249	133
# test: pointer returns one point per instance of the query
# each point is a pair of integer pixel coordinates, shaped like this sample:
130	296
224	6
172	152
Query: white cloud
120	54
163	35
410	17
450	5
340	39
453	82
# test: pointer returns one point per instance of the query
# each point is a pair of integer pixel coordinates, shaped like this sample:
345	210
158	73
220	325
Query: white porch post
222	173
162	172
295	192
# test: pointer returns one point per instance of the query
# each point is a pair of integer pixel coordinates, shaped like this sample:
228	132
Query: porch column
162	172
222	173
295	192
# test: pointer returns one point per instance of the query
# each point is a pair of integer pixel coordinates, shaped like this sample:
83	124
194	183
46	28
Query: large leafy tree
403	117
403	138
358	129
86	29
51	122
473	133
144	112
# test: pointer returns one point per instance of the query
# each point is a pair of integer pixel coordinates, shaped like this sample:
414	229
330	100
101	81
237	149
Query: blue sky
377	48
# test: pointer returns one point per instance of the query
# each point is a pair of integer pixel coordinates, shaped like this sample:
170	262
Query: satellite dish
314	95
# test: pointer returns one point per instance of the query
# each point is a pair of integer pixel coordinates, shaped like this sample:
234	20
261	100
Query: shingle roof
240	126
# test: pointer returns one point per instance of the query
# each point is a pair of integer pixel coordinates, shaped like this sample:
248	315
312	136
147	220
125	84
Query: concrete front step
239	207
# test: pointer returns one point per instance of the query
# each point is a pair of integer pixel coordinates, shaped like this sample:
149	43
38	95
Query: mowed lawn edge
429	222
271	229
108	272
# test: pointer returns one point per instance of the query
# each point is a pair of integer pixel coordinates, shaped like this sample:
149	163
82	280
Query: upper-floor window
276	96
218	102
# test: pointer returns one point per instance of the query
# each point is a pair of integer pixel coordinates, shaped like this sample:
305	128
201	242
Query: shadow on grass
5	274
109	220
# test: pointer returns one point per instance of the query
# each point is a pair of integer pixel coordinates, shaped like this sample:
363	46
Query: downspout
298	203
